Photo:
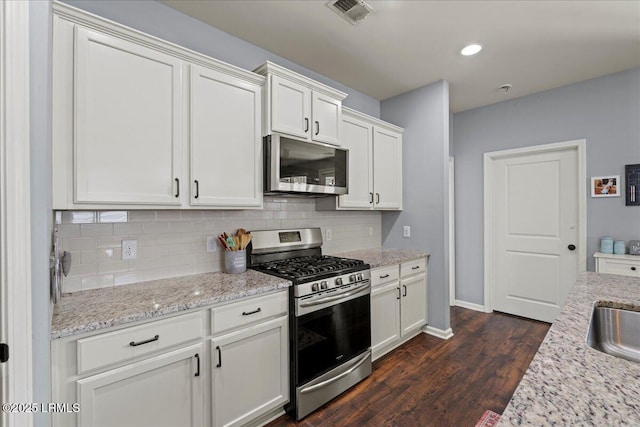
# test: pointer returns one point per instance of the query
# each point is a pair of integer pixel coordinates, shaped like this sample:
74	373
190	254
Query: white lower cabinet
225	365
398	304
165	390
249	372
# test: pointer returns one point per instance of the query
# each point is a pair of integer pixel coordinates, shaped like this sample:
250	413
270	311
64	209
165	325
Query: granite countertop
570	383
380	257
86	311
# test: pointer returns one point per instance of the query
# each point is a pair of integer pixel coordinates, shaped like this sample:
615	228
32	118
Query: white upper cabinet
301	107
128	122
387	168
140	123
226	142
290	104
327	113
357	137
375	164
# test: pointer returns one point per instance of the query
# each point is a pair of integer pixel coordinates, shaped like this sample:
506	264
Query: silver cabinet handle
377	198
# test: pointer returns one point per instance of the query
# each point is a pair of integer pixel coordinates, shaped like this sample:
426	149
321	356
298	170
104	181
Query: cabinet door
225	140
161	391
127	118
250	371
290	107
387	168
357	138
413	304
327	115
385	318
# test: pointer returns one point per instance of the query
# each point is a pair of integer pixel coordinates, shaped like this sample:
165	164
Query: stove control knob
352	278
359	276
324	284
314	287
339	281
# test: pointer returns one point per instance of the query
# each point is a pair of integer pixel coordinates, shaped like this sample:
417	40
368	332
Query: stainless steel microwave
293	165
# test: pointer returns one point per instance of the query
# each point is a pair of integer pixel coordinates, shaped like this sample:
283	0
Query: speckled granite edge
91	310
570	383
380	257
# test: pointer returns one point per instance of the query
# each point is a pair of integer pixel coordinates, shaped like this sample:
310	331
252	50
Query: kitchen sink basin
615	331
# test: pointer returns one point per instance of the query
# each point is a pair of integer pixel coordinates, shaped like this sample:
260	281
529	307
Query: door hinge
4	352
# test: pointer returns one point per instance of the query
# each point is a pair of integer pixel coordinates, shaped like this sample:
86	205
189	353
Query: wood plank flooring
431	382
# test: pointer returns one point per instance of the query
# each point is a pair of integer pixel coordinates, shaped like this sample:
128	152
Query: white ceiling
534	45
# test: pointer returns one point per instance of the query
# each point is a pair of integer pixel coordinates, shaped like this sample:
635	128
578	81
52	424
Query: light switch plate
328	234
406	231
212	244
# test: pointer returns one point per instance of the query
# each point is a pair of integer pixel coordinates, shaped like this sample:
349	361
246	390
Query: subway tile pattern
173	243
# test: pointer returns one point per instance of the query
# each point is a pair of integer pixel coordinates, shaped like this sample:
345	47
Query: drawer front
624	268
382	275
248	311
115	347
413	267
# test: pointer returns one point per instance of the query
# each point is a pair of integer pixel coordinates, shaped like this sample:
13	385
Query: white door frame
452	234
15	225
580	147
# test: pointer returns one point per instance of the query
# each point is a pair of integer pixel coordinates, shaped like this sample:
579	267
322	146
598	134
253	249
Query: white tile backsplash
173	243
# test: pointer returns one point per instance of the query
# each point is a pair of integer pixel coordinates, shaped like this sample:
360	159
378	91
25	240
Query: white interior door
535	225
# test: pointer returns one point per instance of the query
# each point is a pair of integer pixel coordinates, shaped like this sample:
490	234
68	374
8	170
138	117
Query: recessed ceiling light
471	49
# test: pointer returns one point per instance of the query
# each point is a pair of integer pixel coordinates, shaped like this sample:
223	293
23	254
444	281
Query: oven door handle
355	366
337	296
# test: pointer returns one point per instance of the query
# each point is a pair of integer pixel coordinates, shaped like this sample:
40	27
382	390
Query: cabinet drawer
115	347
413	267
384	275
248	311
625	268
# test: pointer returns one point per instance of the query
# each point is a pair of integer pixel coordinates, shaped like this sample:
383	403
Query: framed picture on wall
605	186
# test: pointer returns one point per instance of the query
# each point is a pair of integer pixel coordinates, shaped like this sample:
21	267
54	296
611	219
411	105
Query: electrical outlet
129	249
407	231
328	234
370	231
212	244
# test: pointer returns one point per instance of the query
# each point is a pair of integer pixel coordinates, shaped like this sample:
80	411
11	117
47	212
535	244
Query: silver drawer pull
245	313
135	344
384	276
416	267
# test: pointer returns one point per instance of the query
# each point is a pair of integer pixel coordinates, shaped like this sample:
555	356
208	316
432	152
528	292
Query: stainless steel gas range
330	314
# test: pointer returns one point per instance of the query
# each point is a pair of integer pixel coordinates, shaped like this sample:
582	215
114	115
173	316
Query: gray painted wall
424	113
605	111
41	217
166	23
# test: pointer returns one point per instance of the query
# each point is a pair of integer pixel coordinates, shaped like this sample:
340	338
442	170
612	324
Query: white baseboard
445	335
470	306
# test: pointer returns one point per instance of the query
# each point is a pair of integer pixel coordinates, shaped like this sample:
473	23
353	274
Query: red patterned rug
489	419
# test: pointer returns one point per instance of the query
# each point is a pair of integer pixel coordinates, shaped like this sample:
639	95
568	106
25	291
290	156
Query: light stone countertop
570	383
90	310
380	257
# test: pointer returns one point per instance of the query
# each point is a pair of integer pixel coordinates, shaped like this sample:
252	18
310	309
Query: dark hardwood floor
431	382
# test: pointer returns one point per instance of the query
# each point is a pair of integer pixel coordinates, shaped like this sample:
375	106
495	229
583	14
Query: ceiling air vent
353	11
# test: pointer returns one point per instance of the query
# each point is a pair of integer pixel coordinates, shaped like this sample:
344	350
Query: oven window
326	338
312	164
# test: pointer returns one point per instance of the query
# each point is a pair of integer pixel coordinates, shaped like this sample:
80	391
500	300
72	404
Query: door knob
572	247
